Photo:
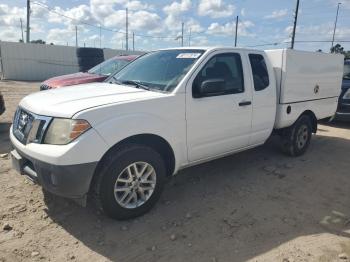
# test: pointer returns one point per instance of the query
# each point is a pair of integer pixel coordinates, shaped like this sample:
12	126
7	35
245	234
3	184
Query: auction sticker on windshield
188	55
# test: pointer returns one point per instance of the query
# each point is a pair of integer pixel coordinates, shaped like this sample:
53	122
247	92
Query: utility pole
335	24
189	37
76	36
126	30
22	30
100	37
236	32
28	22
295	24
133	41
182	34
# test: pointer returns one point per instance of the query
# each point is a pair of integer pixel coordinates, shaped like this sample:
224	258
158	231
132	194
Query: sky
263	24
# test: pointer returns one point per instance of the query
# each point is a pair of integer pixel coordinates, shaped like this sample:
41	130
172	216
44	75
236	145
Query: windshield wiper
115	81
135	83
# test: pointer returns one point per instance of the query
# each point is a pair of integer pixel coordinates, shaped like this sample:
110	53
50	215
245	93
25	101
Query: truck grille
29	127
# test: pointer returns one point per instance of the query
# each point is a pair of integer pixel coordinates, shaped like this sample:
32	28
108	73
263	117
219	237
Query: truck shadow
233	208
5	144
337	124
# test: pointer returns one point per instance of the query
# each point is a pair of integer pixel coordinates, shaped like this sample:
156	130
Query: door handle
245	103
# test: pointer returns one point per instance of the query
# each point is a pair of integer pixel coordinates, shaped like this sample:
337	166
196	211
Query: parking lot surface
258	205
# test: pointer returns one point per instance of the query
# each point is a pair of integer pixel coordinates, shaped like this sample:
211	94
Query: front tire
296	139
131	182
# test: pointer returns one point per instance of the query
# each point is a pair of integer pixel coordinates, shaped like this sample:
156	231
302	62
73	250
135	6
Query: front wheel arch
155	142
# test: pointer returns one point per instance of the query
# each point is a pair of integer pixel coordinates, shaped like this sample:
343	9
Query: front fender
122	127
163	115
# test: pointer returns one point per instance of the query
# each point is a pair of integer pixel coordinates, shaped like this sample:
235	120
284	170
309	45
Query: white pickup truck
165	111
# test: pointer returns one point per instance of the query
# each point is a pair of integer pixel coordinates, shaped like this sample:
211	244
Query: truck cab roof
211	48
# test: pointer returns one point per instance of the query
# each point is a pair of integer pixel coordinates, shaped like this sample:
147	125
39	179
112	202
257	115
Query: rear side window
259	70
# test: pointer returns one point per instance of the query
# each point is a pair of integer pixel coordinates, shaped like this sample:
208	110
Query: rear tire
122	191
296	139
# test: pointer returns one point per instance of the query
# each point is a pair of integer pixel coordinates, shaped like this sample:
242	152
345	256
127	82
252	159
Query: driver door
218	107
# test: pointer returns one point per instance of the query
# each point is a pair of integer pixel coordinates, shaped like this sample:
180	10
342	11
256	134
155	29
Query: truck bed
303	76
305	81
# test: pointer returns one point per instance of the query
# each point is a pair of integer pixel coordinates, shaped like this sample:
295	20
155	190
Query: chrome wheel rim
302	136
135	185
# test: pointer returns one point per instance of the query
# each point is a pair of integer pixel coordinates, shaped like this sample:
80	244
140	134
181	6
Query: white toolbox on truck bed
303	76
305	81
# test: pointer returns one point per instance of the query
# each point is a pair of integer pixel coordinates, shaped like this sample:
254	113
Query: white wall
109	53
37	62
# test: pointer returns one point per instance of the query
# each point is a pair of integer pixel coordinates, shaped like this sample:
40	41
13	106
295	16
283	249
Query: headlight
62	131
347	94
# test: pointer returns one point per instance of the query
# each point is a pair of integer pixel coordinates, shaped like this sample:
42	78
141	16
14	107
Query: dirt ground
259	205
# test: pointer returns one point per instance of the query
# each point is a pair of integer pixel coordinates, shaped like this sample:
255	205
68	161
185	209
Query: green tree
39	41
338	49
347	54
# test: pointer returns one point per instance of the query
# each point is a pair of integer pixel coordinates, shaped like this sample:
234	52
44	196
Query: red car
96	74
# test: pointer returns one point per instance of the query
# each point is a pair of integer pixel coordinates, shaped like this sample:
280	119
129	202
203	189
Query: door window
221	75
259	70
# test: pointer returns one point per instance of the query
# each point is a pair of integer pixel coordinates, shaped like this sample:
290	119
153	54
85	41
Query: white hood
67	101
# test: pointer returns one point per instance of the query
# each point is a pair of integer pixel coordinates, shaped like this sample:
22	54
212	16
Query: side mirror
212	87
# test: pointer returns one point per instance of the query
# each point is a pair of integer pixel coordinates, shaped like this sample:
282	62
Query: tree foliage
338	49
39	41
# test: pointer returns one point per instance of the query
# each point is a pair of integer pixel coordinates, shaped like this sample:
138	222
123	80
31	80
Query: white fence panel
109	53
37	62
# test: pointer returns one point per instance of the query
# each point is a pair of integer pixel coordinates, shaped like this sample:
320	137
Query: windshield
159	70
108	67
346	71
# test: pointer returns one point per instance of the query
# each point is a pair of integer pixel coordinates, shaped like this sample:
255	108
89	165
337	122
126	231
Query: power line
299	41
321	41
97	26
316	6
72	18
248	30
206	33
267	44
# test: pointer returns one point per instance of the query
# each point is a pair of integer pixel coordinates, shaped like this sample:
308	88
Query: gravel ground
257	205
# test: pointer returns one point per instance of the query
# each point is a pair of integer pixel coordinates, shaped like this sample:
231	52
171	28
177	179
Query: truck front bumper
65	170
71	181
